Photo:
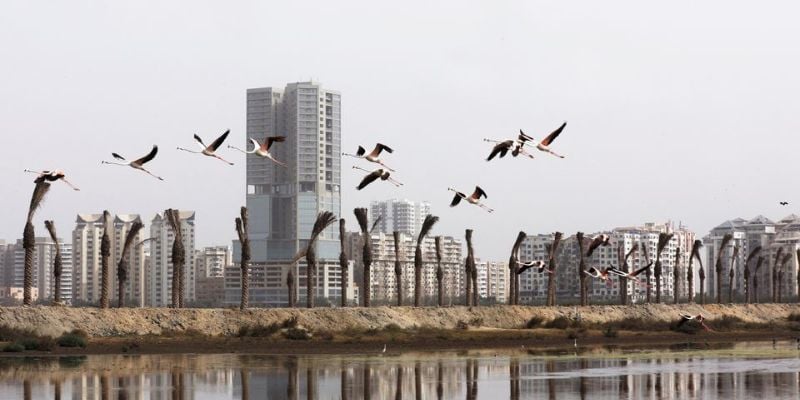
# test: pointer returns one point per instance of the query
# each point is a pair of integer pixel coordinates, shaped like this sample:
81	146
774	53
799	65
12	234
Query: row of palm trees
326	218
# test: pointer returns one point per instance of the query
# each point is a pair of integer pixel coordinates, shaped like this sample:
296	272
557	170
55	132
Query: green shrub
80	332
259	330
71	340
9	334
535	322
296	334
14	348
44	343
392	328
795	316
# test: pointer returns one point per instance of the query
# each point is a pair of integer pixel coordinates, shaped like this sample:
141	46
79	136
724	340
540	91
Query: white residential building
492	280
159	269
404	216
211	261
43	278
86	237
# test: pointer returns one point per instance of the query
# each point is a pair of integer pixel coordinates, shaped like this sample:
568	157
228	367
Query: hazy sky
678	110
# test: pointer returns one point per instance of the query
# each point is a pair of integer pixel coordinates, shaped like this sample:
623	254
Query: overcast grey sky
680	110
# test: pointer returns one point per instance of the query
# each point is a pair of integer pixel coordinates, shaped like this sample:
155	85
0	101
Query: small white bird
52	176
211	149
262	149
373	156
384	349
474	198
544	145
136	164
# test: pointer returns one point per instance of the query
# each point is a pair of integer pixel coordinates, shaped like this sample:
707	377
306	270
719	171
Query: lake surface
727	371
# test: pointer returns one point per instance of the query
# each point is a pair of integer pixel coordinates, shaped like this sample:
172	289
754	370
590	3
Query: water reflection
764	373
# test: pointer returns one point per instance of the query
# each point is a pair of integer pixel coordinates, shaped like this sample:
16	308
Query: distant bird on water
52	176
472	199
784	203
544	145
211	149
136	164
373	156
374	175
262	149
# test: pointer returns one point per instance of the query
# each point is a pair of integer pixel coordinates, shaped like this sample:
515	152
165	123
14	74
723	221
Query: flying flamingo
632	275
699	318
137	164
52	176
540	266
544	145
210	149
503	146
597	241
262	149
472	199
602	274
374	175
373	156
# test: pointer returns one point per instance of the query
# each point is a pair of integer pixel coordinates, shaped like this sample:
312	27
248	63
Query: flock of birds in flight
521	146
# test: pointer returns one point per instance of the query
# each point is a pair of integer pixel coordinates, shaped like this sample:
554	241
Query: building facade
404	216
158	284
211	261
492	281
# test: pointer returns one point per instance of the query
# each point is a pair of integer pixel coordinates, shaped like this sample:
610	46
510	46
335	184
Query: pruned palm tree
178	256
582	267
324	219
427	225
468	264
513	266
623	293
57	262
105	257
344	263
663	240
29	239
122	266
398	268
718	265
290	286
472	272
244	262
755	278
439	272
775	274
753	254
647	273
781	273
731	273
695	254
551	278
676	276
366	252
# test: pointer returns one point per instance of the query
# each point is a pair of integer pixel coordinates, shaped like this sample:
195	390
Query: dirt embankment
54	321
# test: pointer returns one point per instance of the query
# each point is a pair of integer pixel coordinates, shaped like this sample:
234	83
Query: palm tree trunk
551	281
290	286
702	286
513	266
648	274
344	263
474	276
121	278
623	282
582	267
417	276
468	269
676	276
780	286
105	255
690	280
439	272
398	268
29	244
311	283
244	262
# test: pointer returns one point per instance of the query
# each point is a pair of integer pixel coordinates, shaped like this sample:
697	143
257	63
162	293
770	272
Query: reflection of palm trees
513	372
513	267
427	225
344	263
311	382
551	278
105	255
244	242
29	240
26	389
753	254
398	390
56	389
367	381
417	381
695	254
398	268
474	389
663	240
343	382
582	267
439	381
291	385
122	266
718	266
755	277
57	262
245	377
123	390
105	389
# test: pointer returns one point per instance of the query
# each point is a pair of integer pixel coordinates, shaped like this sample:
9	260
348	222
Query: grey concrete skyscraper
283	202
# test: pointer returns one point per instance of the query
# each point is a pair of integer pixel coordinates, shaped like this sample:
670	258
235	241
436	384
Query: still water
744	370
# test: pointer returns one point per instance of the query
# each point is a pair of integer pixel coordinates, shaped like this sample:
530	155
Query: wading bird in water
373	156
262	149
699	318
52	176
544	145
211	149
137	164
374	175
472	199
